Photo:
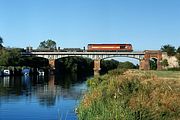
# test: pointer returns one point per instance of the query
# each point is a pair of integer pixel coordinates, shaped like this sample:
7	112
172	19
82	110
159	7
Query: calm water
40	98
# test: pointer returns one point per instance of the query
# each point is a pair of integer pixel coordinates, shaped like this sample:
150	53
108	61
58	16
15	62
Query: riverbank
132	95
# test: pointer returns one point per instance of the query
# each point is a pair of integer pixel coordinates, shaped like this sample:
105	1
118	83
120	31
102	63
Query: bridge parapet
93	55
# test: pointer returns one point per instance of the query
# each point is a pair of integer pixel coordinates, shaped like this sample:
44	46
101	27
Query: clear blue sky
146	24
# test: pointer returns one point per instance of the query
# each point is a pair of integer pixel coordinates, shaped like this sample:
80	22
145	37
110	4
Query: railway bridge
142	56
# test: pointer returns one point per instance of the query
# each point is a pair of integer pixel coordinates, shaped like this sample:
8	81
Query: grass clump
131	95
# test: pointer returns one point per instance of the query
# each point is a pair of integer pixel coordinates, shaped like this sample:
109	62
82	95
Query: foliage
107	65
4	58
74	65
130	96
12	57
83	65
34	62
178	50
153	64
117	71
169	49
178	58
165	62
49	44
1	41
174	69
126	65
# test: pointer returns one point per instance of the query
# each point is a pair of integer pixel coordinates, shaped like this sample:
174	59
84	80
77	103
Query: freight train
92	48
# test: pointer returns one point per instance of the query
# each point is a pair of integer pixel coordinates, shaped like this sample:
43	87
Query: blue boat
26	71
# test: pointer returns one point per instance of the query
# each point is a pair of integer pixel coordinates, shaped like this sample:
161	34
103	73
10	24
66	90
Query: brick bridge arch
144	63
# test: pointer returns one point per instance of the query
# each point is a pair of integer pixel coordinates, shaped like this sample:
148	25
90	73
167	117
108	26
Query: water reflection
40	97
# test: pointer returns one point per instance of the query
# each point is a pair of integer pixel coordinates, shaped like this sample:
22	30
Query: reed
132	95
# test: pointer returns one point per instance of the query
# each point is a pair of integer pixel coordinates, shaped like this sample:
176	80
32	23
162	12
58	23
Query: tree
165	63
153	64
49	44
1	41
126	65
178	50
74	65
171	51
14	56
10	57
178	55
178	58
4	58
107	65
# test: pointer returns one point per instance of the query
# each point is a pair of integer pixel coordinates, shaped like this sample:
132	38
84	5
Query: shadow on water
47	97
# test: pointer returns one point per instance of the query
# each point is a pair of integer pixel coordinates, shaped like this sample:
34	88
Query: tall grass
131	95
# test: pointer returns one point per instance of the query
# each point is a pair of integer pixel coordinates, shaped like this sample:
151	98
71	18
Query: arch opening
133	60
74	64
153	63
35	62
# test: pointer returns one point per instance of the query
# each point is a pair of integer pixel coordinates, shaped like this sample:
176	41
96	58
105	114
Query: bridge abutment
145	62
97	66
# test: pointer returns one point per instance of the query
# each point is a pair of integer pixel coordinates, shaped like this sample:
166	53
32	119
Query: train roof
109	44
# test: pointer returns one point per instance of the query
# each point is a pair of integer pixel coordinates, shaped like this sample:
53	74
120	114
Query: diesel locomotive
109	47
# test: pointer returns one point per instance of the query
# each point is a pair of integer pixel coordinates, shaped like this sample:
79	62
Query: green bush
174	69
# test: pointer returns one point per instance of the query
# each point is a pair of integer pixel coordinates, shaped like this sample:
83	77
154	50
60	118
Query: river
40	98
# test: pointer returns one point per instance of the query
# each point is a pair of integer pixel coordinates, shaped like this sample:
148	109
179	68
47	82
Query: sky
146	24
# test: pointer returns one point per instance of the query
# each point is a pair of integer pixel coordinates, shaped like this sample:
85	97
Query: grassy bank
132	95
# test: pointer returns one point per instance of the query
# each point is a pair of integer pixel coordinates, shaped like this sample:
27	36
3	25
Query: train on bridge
109	47
90	48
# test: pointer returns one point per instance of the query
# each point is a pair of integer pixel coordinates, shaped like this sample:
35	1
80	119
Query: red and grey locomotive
109	47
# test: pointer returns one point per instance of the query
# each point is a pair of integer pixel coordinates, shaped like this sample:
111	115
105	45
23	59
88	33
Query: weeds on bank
130	95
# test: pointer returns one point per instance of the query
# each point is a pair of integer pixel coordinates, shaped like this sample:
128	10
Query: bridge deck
84	53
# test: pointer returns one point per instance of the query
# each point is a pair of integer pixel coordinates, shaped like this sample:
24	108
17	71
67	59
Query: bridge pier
52	65
97	67
147	64
141	64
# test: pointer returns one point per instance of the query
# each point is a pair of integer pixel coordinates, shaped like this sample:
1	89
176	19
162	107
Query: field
132	95
168	74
